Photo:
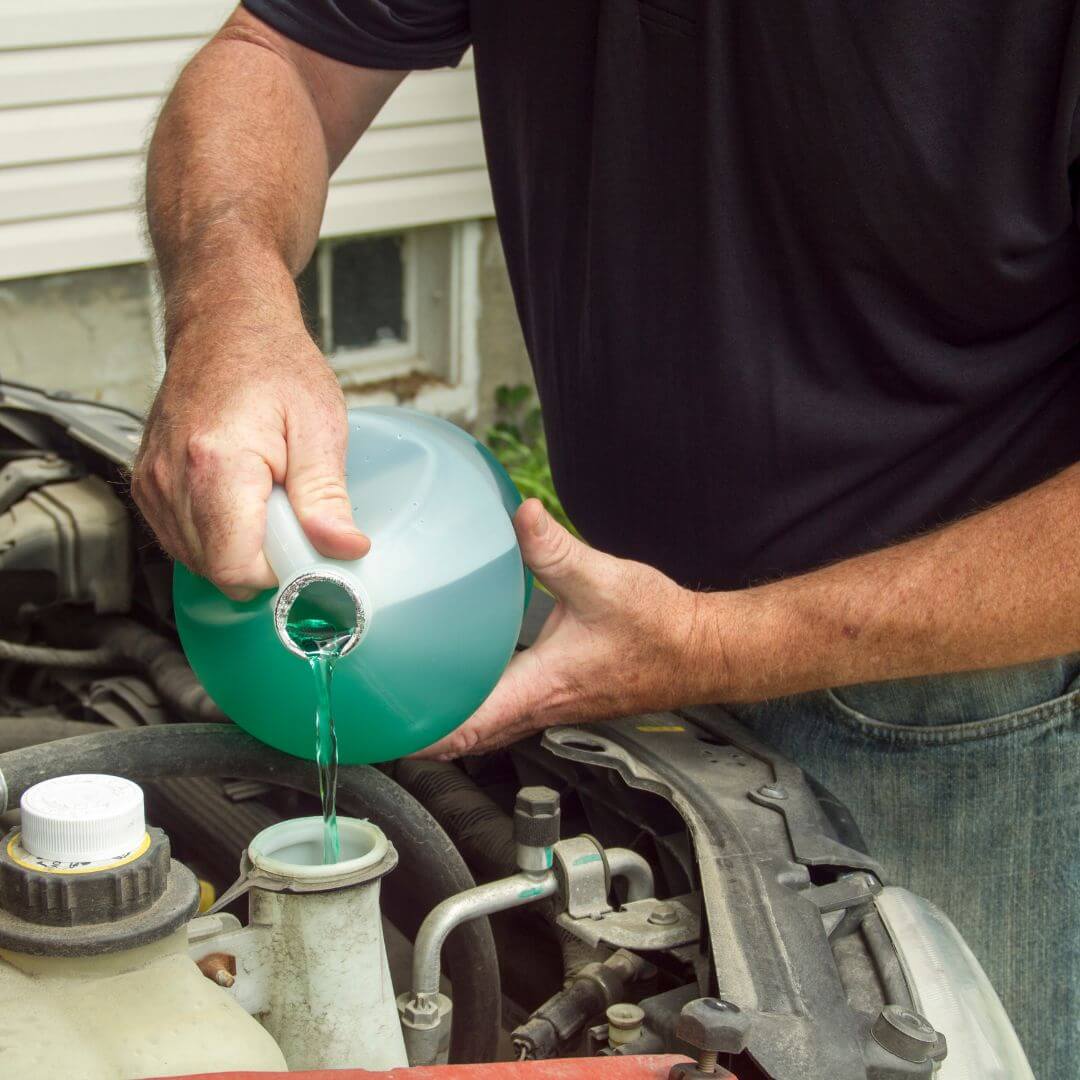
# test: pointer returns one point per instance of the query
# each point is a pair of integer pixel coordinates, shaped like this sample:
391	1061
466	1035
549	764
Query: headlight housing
950	988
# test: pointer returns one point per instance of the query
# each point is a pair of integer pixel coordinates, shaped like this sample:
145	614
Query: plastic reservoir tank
437	603
95	978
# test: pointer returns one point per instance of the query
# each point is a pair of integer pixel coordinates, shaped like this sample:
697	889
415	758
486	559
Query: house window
395	312
355	294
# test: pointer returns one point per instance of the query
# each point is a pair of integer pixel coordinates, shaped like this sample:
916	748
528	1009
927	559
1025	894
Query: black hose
482	831
46	656
165	666
20	731
430	867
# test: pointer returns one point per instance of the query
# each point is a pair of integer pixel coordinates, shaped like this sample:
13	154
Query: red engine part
643	1067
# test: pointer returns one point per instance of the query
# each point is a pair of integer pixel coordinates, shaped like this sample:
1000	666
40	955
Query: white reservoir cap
87	817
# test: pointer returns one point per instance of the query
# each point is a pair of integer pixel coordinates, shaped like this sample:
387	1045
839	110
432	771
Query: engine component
482	832
590	992
425	1012
757	849
84	876
624	1024
76	532
311	962
92	924
431	868
710	1027
766	894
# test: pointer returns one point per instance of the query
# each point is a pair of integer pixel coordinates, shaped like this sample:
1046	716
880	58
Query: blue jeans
967	789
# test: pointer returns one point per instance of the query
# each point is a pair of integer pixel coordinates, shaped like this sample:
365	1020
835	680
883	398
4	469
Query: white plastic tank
330	1001
121	1012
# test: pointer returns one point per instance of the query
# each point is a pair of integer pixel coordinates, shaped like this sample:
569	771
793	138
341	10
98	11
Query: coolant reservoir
433	611
95	980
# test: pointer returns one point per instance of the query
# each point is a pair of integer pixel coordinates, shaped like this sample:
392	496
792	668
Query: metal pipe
511	892
634	870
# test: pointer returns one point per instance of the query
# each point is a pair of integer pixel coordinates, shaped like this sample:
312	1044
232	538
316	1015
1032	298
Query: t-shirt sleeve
400	35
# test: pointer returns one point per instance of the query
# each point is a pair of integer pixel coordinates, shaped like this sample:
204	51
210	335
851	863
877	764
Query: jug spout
309	585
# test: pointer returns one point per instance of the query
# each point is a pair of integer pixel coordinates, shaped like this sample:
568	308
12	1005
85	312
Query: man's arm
236	184
1001	587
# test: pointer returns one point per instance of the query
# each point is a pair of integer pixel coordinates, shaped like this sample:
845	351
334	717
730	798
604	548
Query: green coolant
309	625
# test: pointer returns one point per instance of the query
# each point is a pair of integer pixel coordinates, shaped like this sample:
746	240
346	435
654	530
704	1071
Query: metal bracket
584	877
637	926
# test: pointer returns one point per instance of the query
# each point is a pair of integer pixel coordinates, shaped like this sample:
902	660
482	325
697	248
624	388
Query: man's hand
244	407
621	640
236	183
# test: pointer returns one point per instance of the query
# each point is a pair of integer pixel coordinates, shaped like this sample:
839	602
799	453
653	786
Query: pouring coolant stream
322	643
392	651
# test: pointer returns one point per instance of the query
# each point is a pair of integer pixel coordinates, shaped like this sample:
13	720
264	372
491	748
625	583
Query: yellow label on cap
22	857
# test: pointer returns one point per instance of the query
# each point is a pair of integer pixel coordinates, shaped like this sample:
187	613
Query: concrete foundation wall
91	333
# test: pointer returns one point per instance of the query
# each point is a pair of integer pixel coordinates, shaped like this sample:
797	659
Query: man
801	287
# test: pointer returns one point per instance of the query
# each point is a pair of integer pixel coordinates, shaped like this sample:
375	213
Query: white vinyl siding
81	82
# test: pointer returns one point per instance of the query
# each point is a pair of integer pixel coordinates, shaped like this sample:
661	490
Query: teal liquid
426	663
322	642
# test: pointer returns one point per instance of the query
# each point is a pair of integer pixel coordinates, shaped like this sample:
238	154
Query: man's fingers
508	714
225	507
315	483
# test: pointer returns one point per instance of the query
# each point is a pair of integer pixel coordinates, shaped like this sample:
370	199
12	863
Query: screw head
537	801
663	915
772	791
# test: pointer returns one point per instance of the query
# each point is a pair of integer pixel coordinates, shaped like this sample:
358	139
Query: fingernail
540	525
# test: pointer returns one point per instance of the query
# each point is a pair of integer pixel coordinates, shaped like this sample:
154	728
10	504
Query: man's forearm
1000	587
238	169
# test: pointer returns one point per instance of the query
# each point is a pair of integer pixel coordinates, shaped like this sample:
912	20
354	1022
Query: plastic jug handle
286	546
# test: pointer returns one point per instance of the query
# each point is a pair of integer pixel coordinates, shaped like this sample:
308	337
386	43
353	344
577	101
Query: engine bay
660	884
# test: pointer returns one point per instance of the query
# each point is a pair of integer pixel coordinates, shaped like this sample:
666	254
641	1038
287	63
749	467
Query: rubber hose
483	833
430	866
46	656
195	807
165	666
19	731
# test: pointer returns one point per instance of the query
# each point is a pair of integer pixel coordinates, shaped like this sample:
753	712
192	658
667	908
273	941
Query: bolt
712	1026
663	915
707	1061
772	791
908	1035
537	801
219	968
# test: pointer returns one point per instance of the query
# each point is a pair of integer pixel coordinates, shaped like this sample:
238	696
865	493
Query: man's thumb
561	562
315	483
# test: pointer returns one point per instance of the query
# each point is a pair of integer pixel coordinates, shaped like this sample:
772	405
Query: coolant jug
433	610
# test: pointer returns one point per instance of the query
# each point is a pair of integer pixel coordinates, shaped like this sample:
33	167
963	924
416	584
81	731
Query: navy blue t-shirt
799	278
